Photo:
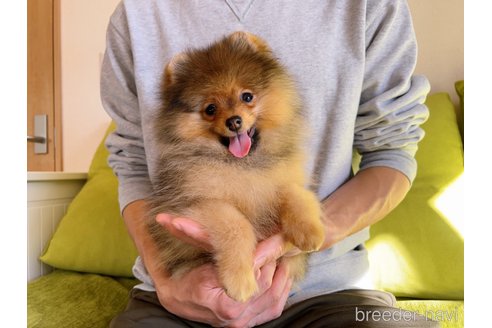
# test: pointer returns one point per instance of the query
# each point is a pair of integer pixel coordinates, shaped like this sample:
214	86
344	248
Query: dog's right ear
173	66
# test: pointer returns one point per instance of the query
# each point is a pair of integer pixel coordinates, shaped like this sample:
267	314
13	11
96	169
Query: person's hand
199	296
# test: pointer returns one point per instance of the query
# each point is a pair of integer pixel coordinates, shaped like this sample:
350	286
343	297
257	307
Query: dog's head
229	94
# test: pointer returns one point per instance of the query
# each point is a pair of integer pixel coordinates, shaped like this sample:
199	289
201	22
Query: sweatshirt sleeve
391	110
120	99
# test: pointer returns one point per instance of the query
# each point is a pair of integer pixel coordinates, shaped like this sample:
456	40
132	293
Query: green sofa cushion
70	299
417	250
92	236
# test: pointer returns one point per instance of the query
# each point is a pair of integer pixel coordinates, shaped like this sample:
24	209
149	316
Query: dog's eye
247	97
210	110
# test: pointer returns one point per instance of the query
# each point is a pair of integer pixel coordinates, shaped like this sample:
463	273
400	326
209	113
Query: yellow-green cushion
92	236
75	300
417	250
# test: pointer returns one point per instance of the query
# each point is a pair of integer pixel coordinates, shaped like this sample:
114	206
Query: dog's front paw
300	215
308	236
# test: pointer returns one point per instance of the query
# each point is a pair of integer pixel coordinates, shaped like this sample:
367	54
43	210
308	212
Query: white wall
438	25
83	31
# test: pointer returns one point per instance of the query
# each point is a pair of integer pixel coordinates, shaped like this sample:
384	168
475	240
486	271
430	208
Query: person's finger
186	230
268	250
264	276
276	310
270	304
280	279
271	249
237	313
227	309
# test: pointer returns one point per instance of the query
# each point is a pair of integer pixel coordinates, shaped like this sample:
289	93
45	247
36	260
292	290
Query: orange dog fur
230	134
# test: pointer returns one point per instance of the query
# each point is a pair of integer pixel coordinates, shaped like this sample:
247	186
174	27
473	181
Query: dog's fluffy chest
253	192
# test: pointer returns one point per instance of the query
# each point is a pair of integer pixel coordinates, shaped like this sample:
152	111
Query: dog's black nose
234	123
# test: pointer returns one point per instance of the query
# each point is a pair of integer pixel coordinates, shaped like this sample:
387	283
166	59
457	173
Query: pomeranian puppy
230	133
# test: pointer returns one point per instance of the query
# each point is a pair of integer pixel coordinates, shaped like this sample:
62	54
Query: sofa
416	252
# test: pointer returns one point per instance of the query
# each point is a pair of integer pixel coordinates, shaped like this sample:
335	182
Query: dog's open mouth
242	143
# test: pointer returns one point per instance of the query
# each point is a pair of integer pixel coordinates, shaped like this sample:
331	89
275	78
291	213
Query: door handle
36	139
40	134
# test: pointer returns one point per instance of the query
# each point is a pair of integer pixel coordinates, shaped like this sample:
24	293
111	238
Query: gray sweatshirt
353	62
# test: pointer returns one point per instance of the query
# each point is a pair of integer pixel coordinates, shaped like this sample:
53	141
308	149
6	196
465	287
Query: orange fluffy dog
230	136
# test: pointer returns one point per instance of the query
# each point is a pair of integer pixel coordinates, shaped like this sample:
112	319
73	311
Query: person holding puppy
353	63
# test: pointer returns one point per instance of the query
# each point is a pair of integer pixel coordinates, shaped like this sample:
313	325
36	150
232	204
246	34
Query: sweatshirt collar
240	8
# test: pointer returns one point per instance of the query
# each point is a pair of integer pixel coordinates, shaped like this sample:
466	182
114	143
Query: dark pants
349	308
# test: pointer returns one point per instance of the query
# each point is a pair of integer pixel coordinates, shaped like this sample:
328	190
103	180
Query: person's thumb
187	230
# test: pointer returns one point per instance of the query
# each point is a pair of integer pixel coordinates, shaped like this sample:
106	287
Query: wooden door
43	83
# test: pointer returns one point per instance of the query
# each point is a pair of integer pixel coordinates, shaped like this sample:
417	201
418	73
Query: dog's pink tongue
240	144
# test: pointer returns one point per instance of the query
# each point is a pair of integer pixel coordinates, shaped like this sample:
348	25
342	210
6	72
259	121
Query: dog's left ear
173	66
252	40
